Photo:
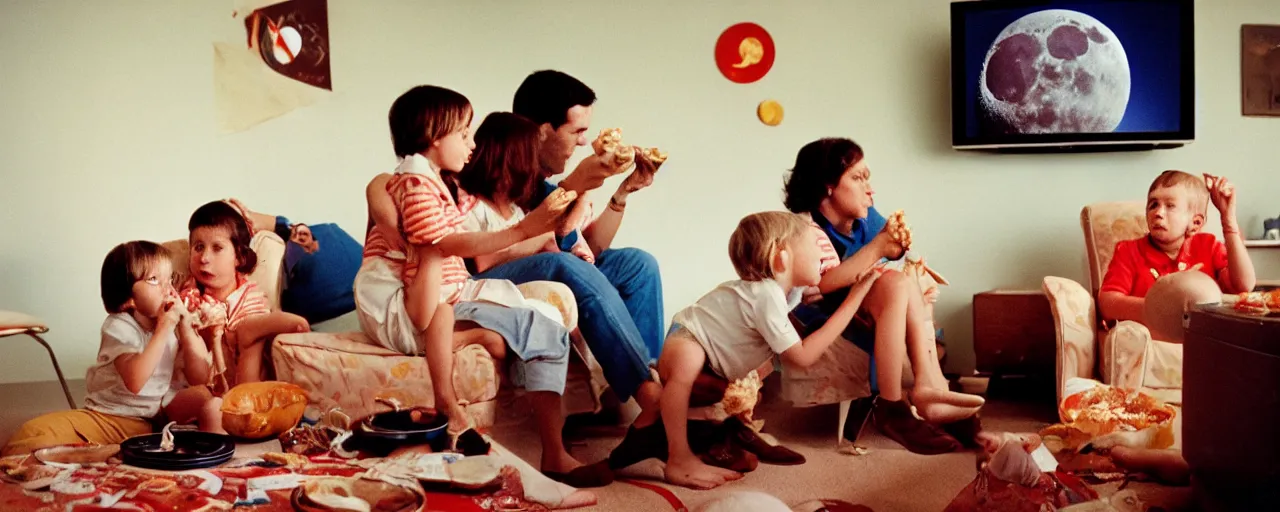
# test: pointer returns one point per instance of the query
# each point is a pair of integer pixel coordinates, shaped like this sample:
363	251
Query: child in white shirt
740	325
145	339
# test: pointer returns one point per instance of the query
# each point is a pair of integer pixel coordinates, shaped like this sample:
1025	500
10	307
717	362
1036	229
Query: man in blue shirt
620	296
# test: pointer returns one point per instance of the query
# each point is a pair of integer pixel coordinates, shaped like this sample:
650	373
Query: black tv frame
1068	142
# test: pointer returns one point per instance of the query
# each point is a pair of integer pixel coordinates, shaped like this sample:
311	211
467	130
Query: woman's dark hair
219	214
819	165
425	114
504	164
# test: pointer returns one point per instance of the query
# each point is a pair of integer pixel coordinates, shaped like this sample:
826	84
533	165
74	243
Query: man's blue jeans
619	306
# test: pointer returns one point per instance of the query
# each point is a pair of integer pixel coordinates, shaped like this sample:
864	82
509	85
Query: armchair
1123	355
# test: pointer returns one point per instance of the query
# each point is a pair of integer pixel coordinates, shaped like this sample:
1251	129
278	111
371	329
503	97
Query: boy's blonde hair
757	240
1196	189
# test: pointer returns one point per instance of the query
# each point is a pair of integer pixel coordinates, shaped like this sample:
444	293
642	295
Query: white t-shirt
741	324
107	393
483	218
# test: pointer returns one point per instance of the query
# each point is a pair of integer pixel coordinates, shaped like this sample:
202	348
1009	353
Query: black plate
192	450
382	433
427	422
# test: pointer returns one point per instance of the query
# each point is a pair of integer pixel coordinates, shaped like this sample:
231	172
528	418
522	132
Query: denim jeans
619	306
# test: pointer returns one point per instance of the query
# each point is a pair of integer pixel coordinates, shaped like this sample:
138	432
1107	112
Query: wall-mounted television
1082	74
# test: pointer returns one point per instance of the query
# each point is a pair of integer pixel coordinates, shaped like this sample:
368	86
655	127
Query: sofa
1123	355
348	371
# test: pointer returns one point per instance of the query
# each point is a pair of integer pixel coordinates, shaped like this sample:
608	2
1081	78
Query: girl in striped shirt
405	306
220	263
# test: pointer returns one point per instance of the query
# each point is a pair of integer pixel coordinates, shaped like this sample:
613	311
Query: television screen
1061	72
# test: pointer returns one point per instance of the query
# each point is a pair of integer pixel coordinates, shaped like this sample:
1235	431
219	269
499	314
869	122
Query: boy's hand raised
1223	194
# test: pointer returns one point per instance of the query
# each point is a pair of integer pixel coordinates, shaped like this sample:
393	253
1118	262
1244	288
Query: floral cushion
350	372
1073	323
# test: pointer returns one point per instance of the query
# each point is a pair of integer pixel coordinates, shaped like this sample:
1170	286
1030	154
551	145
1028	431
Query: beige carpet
887	479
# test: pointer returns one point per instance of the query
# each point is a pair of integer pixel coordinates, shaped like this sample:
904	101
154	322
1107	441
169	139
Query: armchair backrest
1105	224
268	274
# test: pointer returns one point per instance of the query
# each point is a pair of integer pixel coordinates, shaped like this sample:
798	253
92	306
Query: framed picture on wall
1260	70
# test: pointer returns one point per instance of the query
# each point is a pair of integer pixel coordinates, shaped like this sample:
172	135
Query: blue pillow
319	286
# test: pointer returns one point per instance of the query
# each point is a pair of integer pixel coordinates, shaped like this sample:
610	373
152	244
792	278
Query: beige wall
108	122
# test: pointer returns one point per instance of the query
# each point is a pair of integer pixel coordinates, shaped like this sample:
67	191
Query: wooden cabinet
1013	333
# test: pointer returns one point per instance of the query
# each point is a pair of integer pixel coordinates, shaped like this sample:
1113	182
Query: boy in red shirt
1176	206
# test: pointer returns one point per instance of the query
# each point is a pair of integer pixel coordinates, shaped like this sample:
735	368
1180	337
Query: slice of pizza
898	229
741	395
612	152
653	156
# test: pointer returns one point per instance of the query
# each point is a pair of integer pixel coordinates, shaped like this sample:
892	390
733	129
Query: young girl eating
220	263
430	131
504	175
146	338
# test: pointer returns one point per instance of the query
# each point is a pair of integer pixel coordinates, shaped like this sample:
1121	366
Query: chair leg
61	380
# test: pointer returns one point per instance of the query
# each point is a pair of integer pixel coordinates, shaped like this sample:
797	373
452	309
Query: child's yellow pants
71	427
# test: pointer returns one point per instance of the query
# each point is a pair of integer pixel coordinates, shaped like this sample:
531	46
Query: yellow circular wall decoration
769	112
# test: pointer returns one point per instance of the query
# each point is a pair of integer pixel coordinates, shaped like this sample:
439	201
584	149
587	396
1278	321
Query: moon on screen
1054	71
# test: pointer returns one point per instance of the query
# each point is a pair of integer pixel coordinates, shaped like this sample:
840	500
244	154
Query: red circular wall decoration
744	53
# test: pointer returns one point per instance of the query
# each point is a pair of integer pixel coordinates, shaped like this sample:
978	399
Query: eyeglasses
155	281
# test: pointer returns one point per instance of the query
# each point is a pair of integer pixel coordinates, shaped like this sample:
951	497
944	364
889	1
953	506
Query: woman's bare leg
888	305
931	395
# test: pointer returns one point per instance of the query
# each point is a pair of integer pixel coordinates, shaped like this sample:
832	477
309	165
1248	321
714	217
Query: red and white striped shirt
428	214
246	301
830	258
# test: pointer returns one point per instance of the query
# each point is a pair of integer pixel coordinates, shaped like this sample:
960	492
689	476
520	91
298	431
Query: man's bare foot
939	413
922	396
567	470
696	475
559	462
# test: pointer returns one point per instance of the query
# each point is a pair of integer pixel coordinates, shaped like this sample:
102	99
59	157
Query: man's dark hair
546	97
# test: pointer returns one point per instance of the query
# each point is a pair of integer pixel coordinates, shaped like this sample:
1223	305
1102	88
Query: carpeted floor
888	478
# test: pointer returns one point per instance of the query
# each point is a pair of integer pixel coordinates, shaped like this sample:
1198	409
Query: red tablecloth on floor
179	491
